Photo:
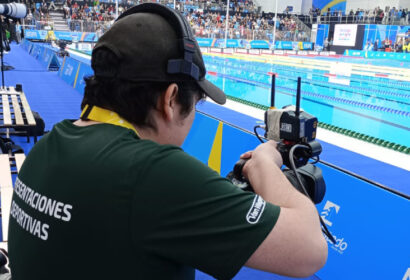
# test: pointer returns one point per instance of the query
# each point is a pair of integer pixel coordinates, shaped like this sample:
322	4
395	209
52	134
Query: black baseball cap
147	41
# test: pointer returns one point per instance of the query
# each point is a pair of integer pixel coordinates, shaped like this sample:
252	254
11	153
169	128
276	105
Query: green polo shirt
97	202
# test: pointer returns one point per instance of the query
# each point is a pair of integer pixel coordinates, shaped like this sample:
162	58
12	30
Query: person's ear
169	99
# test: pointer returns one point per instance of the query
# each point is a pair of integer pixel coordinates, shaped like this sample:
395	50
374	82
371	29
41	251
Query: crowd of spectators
250	27
376	15
207	18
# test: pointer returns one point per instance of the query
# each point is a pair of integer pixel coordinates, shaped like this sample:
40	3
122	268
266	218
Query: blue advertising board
370	224
36	51
46	56
259	44
69	70
49	59
66	35
321	35
205	42
230	43
381	55
89	37
85	70
33	34
43	53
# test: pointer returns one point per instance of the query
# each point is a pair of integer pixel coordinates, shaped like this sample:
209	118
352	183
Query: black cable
325	230
14	70
316	159
256	133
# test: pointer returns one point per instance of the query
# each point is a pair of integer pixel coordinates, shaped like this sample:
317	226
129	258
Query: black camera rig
62	44
295	132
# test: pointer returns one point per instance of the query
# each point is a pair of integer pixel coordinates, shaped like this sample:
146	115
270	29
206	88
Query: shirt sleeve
197	218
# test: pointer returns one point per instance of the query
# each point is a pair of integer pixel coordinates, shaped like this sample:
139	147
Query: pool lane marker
331	85
321	96
370	139
249	62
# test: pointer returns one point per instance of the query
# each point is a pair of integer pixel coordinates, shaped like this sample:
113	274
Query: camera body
295	132
288	127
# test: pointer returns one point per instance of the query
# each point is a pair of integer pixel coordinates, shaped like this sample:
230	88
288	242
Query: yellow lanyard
98	114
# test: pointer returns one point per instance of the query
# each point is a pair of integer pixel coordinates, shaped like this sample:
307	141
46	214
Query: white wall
404	4
371	4
307	5
269	5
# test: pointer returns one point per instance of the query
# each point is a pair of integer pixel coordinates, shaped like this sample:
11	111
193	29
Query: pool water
374	106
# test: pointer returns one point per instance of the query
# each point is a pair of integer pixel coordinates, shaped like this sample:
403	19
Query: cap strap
181	66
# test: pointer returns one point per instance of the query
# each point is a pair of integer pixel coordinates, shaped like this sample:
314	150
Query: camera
62	45
295	132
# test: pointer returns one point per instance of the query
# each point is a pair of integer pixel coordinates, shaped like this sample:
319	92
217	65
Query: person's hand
264	154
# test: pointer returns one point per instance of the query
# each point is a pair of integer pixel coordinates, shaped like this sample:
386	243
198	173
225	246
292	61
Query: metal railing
88	26
38	24
250	34
359	19
213	32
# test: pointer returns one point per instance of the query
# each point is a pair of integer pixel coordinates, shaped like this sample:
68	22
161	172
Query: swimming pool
372	104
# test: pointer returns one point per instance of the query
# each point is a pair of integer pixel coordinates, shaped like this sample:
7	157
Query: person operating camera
113	196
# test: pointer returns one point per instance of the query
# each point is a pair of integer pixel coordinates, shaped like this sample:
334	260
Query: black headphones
184	33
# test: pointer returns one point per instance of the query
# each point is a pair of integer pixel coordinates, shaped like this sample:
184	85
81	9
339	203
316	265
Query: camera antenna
297	113
272	91
2	53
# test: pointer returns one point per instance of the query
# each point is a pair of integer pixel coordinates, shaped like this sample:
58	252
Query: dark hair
131	100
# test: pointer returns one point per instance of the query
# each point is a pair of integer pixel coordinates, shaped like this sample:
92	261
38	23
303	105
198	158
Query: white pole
116	9
175	7
227	23
274	25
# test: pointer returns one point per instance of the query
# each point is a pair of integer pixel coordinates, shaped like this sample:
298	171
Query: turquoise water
374	106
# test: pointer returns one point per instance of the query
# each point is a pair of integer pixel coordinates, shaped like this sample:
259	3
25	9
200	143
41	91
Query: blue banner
35	51
259	44
230	43
60	35
69	70
369	239
321	35
35	34
46	56
381	55
205	42
66	35
256	44
307	45
85	70
89	37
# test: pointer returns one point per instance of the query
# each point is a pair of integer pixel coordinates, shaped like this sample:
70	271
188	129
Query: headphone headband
183	31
